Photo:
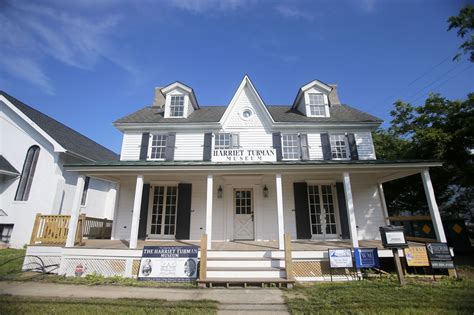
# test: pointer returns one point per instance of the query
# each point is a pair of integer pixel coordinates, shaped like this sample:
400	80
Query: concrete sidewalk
231	301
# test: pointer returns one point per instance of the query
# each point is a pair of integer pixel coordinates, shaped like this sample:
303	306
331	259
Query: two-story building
247	173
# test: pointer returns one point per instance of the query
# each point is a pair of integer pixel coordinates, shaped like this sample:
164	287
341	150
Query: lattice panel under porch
318	269
135	267
41	263
105	267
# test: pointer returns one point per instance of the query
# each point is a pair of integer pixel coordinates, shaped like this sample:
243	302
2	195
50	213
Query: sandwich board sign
366	258
340	258
416	256
439	255
169	263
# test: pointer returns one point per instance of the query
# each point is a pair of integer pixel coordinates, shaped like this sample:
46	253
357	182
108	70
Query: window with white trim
158	147
316	104
290	146
177	106
222	141
339	147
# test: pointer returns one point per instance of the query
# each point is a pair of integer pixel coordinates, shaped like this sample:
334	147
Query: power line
418	78
445	81
435	81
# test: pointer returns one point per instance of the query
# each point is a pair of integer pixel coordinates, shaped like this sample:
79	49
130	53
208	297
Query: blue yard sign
366	257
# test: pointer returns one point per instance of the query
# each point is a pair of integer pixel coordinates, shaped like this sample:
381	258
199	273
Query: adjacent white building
33	150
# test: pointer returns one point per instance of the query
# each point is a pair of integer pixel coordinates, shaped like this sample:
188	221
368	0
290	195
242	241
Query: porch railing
53	229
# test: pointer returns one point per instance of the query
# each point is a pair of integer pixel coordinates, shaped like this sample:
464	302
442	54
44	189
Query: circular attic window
246	113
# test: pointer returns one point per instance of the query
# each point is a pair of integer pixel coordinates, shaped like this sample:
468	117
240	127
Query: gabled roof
177	84
72	141
279	113
6	168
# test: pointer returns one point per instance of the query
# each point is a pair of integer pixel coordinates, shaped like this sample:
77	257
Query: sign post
394	237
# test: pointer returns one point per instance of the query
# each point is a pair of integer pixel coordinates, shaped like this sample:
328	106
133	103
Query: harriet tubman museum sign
169	263
244	155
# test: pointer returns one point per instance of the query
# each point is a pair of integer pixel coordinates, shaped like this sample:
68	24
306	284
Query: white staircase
245	268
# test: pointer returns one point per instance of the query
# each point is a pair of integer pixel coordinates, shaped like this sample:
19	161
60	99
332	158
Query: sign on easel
416	256
340	258
169	263
366	258
440	256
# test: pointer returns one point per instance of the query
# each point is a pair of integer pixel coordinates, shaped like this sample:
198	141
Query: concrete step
246	254
255	263
247	273
245	282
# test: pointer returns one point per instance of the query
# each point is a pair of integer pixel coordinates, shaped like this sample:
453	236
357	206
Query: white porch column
350	209
76	208
281	224
434	211
210	189
383	203
137	205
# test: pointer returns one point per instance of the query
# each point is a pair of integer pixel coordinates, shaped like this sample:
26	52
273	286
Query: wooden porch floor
297	245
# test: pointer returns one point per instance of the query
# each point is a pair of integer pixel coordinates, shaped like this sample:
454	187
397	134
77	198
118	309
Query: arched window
26	178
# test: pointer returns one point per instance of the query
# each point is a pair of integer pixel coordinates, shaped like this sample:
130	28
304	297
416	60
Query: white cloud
367	5
293	13
31	34
200	6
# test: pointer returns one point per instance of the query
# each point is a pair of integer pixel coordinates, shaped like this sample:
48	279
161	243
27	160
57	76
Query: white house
33	150
244	174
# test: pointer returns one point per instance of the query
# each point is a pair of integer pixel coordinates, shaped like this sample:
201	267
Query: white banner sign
340	258
169	263
244	155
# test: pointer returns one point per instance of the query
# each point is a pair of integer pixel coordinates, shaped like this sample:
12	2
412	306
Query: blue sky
87	63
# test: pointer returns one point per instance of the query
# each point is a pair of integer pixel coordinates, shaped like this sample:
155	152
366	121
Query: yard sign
416	256
366	257
169	263
340	258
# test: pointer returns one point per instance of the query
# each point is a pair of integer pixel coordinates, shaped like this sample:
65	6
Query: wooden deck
300	245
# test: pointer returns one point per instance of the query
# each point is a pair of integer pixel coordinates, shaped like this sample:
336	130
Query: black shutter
183	219
303	226
277	145
207	153
352	146
170	144
144	146
326	145
144	212
341	200
304	147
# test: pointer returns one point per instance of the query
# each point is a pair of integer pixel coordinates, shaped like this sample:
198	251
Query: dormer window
316	104
177	106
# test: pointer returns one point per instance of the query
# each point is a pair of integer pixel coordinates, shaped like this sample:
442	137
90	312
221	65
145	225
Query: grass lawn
384	297
29	305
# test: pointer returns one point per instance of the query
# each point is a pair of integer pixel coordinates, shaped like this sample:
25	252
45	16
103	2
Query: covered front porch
244	204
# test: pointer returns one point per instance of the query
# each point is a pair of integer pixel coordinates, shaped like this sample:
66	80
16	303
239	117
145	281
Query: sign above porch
244	155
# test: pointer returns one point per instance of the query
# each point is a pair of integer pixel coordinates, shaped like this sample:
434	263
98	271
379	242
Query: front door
243	214
162	213
322	211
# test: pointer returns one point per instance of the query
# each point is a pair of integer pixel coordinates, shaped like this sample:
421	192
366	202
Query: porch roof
6	168
386	170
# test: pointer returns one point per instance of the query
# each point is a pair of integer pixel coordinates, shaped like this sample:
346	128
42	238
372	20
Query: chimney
333	97
159	99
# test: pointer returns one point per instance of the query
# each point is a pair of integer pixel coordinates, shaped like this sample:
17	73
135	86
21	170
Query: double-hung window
316	104
290	147
177	106
222	141
339	147
158	147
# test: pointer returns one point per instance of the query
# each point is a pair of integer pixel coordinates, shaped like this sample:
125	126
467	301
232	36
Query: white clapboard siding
315	149
131	146
189	146
365	147
256	139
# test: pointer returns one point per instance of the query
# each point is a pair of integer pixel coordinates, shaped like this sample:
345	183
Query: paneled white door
243	214
322	211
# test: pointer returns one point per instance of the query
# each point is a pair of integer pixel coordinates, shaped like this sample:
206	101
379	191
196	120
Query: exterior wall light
219	192
265	191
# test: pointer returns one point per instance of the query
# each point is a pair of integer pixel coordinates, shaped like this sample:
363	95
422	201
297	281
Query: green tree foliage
464	22
442	130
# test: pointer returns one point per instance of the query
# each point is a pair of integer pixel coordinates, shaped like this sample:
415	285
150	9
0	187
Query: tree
464	22
440	129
